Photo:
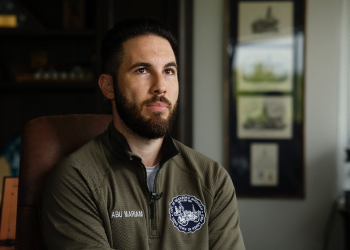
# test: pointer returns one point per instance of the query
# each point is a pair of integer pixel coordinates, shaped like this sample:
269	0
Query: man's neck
148	150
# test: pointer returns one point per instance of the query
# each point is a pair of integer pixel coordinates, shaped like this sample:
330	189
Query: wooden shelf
34	33
48	85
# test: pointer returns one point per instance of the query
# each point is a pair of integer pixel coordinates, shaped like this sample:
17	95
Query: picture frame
9	213
264	97
74	14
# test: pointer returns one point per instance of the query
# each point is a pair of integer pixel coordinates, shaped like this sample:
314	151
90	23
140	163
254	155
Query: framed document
264	88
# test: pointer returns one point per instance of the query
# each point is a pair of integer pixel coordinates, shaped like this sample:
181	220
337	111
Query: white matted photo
262	67
265	117
264	164
259	21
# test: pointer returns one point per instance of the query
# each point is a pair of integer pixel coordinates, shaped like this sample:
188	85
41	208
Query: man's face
147	86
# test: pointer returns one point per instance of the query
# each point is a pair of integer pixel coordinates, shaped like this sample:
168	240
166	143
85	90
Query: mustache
157	99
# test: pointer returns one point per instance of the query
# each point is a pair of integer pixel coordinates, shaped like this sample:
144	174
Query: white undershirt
151	175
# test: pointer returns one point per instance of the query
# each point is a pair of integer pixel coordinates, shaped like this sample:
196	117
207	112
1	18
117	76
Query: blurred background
49	65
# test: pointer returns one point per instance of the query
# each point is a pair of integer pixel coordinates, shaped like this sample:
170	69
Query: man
134	187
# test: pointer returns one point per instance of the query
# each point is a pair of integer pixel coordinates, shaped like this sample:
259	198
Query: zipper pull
154	197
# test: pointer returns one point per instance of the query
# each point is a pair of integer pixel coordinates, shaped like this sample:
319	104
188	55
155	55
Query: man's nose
159	84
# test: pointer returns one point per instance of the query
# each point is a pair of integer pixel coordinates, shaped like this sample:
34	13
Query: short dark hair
112	44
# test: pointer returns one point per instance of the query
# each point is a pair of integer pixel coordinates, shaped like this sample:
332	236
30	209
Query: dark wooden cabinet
23	97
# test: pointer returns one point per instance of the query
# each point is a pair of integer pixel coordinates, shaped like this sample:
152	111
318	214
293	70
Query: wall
278	224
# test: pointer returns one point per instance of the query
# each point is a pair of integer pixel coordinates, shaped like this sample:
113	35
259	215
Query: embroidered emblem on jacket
119	214
187	213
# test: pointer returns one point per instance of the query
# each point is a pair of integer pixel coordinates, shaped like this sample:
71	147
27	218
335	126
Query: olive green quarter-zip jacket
97	198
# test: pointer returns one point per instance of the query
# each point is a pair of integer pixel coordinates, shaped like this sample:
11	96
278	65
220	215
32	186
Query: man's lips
157	106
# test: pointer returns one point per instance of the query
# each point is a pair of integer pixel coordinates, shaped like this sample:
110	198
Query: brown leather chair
45	141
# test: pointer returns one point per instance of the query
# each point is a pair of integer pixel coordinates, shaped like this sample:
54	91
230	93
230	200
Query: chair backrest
45	141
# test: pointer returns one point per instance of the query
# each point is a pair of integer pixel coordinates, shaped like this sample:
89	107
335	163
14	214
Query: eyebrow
144	64
171	64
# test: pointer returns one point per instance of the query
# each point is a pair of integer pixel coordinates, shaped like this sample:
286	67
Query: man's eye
170	71
141	70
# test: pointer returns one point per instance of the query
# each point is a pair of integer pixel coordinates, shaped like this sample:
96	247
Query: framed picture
264	88
265	21
264	67
9	211
264	164
264	117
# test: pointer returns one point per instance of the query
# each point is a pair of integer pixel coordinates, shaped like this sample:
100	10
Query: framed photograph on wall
264	102
264	117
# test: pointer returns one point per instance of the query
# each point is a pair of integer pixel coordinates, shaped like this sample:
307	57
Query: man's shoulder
198	163
194	155
85	155
88	162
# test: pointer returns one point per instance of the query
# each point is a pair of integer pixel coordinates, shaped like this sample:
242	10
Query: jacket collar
117	145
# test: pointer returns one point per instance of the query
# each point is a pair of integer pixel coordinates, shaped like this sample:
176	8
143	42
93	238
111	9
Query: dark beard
147	128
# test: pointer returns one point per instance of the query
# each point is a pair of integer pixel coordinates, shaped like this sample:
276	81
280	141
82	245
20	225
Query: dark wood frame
185	109
9	212
291	157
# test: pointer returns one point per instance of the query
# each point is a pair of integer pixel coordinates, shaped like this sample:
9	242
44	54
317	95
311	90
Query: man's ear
106	85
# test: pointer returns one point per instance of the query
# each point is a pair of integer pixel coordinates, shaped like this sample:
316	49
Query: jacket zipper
153	198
